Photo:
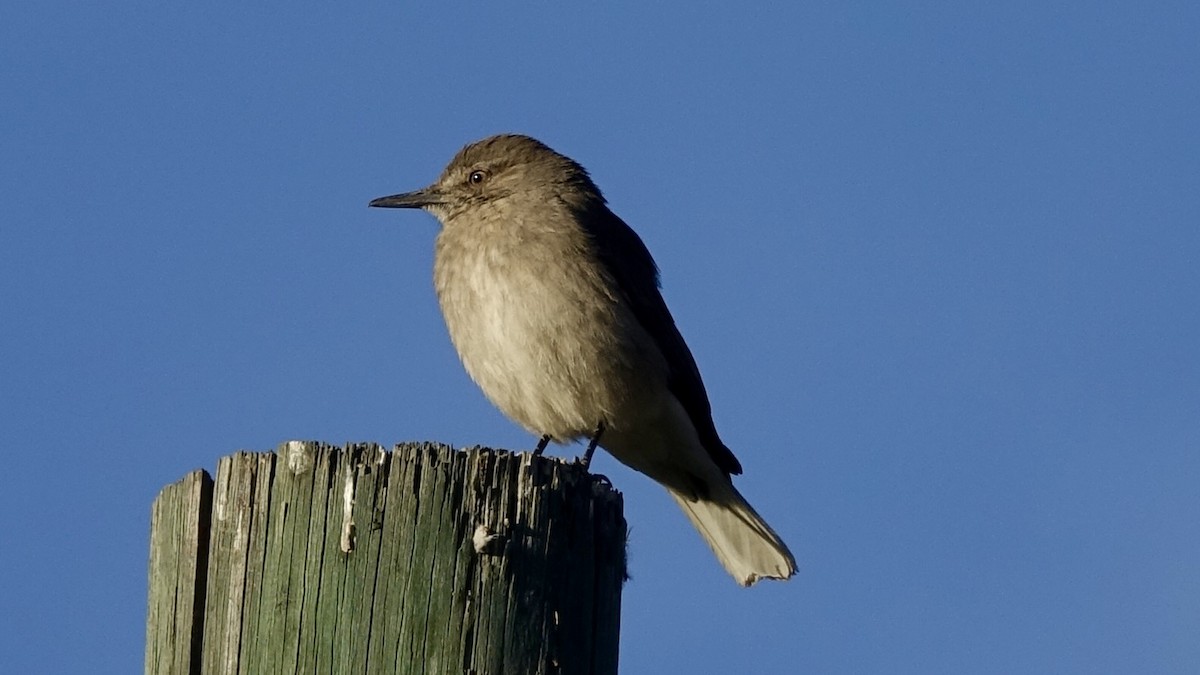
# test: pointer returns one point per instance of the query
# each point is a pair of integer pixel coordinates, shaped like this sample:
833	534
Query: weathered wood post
316	559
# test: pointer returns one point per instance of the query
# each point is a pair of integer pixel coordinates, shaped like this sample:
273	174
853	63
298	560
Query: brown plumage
553	304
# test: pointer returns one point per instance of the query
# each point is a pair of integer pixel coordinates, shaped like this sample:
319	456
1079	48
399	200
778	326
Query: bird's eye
477	177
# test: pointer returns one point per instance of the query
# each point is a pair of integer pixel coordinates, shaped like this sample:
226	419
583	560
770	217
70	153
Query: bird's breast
540	330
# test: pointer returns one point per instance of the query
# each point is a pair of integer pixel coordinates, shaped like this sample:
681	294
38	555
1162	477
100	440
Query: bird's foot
591	446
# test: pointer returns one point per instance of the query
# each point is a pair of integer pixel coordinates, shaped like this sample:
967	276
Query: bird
555	308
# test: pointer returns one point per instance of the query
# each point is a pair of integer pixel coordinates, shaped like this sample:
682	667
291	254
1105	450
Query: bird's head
499	168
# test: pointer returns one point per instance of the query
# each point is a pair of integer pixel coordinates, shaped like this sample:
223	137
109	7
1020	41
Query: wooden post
316	559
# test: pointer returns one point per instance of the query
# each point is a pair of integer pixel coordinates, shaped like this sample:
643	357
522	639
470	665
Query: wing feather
627	259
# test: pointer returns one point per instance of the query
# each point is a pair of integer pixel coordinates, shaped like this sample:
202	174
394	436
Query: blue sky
937	262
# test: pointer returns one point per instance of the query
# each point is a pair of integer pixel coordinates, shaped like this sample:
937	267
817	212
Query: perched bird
553	304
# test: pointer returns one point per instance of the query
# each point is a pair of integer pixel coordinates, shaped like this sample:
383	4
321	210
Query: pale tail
746	546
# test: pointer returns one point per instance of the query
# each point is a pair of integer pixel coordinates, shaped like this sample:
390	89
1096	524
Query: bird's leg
541	446
591	447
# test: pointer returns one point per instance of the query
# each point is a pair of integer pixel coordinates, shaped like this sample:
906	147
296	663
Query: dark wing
627	259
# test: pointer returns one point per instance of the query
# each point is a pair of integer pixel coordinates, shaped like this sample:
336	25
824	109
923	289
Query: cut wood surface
319	559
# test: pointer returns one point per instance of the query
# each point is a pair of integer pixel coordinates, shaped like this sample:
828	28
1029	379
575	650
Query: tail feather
746	546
